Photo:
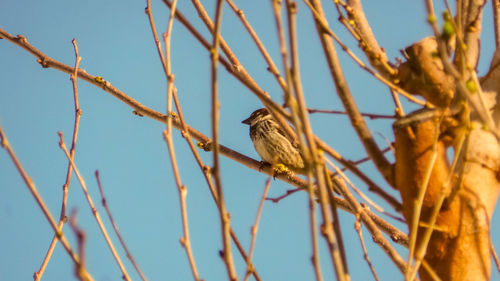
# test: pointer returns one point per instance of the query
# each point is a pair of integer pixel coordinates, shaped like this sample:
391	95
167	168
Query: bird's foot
281	169
263	164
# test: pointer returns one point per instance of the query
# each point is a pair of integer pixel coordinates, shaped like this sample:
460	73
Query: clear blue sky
116	43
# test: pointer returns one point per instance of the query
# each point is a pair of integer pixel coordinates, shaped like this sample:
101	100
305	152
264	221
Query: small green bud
448	29
200	145
431	18
446	16
471	86
99	79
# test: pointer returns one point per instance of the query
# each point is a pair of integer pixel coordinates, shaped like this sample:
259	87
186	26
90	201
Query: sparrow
271	143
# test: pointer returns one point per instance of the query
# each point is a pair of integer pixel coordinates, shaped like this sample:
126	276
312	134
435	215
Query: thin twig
399	111
461	147
292	75
62	145
496	25
31	186
62	217
155	35
255	228
285	195
496	22
80	271
430	271
313	224
357	226
227	255
115	227
331	232
413	224
272	67
366	159
332	204
167	135
369	115
495	256
182	190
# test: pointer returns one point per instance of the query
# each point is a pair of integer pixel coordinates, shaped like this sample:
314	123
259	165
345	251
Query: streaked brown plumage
270	142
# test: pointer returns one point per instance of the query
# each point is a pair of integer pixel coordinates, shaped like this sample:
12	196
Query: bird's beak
246	121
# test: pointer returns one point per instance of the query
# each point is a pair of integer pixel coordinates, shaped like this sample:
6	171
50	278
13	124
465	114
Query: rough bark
459	247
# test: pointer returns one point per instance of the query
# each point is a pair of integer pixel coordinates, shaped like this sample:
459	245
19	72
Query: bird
271	143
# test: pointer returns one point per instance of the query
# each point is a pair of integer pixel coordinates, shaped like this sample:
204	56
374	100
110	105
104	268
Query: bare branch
357	226
94	209
104	202
80	271
254	229
226	254
312	156
369	115
31	186
62	217
272	67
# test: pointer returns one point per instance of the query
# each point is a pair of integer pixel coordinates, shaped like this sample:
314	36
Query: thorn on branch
206	169
22	39
207	146
138	113
183	133
323	229
43	62
61	136
3	142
